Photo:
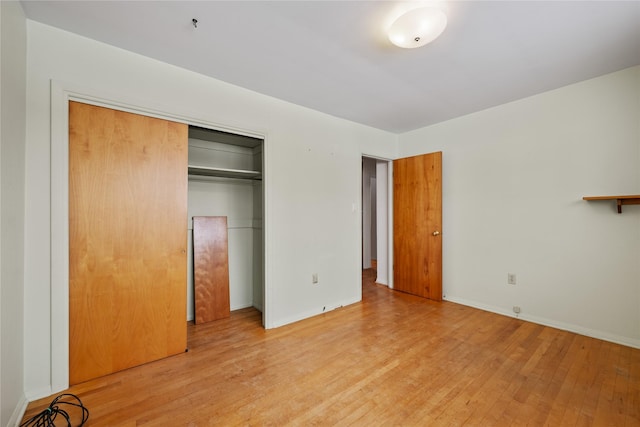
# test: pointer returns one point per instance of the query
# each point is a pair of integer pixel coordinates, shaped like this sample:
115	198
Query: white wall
368	173
513	181
12	169
312	178
232	198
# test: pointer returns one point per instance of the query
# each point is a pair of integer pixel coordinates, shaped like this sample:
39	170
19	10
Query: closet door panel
127	242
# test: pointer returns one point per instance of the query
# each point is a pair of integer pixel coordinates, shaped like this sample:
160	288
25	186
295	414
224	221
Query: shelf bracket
627	202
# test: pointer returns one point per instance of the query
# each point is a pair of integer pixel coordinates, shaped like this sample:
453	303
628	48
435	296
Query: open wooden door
127	240
417	225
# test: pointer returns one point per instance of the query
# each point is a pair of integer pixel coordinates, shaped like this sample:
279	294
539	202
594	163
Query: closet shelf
621	200
222	172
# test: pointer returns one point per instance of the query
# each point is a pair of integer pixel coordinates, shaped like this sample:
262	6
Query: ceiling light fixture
417	27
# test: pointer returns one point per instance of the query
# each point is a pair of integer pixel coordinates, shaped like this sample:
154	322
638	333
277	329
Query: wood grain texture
620	200
627	197
127	240
210	268
417	215
368	364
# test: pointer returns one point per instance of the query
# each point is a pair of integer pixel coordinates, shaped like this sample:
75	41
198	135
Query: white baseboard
18	412
382	281
593	333
240	306
311	313
39	393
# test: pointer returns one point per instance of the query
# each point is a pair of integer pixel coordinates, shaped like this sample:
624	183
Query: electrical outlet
516	309
511	278
314	278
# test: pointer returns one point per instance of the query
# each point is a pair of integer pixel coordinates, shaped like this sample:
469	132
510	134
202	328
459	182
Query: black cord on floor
48	417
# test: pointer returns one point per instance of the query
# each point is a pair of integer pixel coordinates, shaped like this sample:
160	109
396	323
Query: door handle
436	233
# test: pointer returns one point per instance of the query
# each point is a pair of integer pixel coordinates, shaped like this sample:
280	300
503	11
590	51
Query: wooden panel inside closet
211	268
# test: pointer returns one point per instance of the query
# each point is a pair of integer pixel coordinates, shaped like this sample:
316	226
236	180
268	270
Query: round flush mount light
417	27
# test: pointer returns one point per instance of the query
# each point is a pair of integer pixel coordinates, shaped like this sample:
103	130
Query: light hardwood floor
392	360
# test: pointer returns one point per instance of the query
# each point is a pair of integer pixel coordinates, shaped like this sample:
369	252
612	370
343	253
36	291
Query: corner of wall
18	413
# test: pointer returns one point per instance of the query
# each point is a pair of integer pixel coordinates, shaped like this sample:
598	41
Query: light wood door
127	240
211	268
417	225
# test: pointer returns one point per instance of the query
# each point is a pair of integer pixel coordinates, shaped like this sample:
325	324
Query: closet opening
217	158
225	180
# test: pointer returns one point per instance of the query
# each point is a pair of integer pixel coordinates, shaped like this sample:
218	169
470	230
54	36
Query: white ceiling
333	56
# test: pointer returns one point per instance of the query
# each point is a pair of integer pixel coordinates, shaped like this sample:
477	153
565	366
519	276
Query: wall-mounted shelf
222	172
621	200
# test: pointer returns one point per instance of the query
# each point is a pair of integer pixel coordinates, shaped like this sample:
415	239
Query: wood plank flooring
392	360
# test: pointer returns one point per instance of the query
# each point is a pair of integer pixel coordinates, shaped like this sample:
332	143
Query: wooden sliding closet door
127	240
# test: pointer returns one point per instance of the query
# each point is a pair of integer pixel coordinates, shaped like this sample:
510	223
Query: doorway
402	223
376	218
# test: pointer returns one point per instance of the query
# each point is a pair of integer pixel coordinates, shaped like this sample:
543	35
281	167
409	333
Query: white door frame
389	222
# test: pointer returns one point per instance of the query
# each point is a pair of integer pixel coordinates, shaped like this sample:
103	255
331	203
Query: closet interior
225	180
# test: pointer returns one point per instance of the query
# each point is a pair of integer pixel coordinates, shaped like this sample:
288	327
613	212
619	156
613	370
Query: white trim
241	306
267	296
61	94
617	339
315	312
390	223
59	238
371	156
389	213
127	103
18	412
39	393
